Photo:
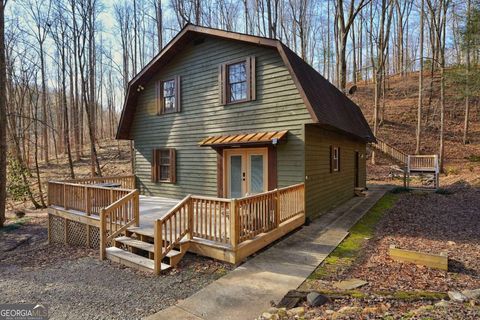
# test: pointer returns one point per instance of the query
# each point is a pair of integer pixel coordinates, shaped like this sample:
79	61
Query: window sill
237	102
165	181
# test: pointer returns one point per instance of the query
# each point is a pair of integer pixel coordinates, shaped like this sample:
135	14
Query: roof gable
326	104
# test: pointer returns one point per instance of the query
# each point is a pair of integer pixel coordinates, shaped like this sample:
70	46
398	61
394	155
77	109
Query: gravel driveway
74	284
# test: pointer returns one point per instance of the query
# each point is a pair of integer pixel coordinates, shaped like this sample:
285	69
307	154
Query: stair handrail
391	151
117	217
173	236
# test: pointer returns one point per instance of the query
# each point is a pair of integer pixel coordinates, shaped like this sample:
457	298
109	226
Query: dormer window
237	81
168	96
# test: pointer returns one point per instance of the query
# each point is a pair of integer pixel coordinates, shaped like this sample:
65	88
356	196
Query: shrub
443	191
400	190
451	171
473	158
17	189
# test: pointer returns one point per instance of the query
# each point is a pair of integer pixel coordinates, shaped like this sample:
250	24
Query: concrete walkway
246	292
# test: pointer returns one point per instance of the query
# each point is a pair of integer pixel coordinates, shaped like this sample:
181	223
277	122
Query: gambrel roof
326	104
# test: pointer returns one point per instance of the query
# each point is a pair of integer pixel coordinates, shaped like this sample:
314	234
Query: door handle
243	175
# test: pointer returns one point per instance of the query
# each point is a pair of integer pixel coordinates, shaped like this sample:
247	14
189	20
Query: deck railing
211	217
126	181
89	199
428	163
257	214
116	208
171	229
391	151
227	221
291	201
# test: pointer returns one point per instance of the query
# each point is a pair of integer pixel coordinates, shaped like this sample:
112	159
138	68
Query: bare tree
467	73
3	116
420	80
386	13
342	28
40	10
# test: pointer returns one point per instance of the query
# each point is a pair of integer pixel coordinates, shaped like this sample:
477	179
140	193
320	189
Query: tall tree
3	116
39	11
420	80
468	35
342	28
386	14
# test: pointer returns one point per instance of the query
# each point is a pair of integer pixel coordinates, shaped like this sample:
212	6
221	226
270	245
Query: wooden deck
163	229
411	164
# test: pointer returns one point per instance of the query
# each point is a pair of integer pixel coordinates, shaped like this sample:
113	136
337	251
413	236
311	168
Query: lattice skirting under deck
63	230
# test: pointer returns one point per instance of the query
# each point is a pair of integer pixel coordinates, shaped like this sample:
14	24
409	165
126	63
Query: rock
370	310
442	304
298	311
291	299
457	296
19	213
315	299
267	316
350	284
349	310
451	243
282	312
329	311
472	294
272	310
380	309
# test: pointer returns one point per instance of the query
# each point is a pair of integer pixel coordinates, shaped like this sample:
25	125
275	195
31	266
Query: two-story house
228	114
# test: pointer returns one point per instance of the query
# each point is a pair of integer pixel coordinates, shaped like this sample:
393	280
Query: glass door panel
236	176
256	174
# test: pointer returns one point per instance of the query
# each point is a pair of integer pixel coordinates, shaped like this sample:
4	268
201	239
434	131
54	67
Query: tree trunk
467	80
420	82
3	117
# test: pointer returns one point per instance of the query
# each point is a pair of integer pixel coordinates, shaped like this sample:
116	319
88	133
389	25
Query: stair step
142	231
144	246
133	260
136	243
173	253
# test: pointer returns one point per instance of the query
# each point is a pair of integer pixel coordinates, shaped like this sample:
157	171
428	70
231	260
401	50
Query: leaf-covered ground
427	222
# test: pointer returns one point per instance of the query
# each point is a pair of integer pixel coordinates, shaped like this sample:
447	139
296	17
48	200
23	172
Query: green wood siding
278	107
325	189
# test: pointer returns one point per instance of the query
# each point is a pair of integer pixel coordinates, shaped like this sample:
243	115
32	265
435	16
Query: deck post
136	209
190	218
65	196
157	246
277	208
87	201
234	223
103	233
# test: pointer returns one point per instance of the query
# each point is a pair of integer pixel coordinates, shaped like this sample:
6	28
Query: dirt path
74	284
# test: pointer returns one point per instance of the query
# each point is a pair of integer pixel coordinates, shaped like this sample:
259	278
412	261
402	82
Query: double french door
246	171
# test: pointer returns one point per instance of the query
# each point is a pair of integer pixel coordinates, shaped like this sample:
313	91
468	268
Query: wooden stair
359	192
136	250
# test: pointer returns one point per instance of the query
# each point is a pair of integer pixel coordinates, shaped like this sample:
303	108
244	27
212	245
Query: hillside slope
400	117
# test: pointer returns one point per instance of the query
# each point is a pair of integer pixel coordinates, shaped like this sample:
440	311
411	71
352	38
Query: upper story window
168	95
237	81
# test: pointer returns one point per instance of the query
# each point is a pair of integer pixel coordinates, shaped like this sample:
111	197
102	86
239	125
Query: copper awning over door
245	139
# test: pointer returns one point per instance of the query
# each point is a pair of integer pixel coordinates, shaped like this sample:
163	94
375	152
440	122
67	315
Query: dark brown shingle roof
327	105
331	106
